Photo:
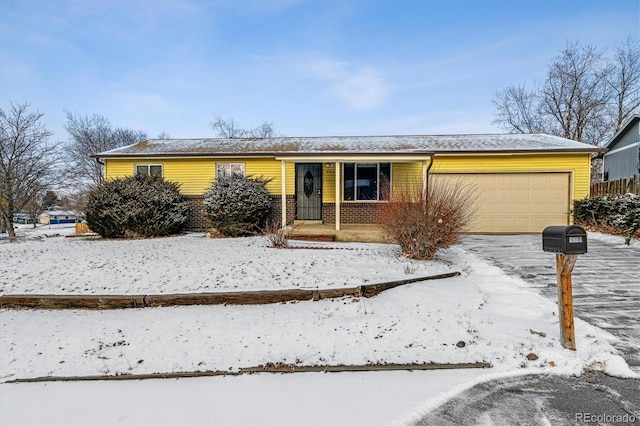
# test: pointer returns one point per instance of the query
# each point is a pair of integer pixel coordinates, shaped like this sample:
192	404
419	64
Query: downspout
101	168
426	176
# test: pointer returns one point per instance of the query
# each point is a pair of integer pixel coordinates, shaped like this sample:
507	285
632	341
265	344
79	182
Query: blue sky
311	68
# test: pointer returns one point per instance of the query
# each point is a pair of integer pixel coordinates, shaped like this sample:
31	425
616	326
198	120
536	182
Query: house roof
397	145
623	130
59	212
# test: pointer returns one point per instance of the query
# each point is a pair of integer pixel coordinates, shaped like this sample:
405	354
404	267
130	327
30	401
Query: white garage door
516	202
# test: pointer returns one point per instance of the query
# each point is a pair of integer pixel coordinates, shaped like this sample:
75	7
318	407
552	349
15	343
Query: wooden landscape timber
269	368
18	301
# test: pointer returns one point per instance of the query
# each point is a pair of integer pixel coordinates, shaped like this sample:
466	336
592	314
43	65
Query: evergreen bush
238	205
614	214
136	206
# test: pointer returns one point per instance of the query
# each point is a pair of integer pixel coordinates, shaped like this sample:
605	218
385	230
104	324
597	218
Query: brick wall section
197	221
351	212
276	212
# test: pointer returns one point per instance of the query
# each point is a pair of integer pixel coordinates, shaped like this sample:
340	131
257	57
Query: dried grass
276	235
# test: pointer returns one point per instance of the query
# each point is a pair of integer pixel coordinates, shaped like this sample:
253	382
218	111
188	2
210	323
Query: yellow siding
329	183
195	175
406	175
578	164
270	168
117	168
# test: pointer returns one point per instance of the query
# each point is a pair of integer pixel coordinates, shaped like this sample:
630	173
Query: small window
366	181
226	170
149	169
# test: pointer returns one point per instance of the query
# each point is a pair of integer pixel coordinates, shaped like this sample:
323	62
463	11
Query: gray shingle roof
626	126
283	146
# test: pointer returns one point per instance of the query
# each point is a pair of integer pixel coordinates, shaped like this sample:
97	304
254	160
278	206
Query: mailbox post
567	242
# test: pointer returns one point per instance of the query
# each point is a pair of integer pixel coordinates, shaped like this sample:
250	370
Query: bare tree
230	129
585	97
623	80
33	208
517	109
27	162
574	95
90	135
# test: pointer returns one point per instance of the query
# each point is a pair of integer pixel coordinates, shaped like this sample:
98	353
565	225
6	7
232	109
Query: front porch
345	189
364	233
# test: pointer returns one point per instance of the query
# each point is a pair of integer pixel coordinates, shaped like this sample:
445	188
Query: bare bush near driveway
423	221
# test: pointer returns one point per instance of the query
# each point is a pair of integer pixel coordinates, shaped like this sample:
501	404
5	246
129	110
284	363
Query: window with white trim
149	169
366	181
226	170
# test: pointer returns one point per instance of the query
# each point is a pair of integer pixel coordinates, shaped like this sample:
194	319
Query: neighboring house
22	218
622	159
523	182
54	217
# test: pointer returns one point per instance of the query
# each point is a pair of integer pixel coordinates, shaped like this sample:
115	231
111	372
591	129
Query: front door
308	191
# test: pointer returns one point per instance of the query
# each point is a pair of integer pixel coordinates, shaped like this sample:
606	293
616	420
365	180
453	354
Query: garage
516	202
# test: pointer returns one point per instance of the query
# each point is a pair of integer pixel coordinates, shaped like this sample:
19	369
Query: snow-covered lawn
499	320
193	263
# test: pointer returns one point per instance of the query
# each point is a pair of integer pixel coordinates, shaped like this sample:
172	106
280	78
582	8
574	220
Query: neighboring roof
59	213
623	130
282	146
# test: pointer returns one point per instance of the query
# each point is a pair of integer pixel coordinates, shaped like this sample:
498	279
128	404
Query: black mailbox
564	239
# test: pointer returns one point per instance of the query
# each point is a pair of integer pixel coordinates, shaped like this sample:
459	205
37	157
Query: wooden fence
82	228
616	187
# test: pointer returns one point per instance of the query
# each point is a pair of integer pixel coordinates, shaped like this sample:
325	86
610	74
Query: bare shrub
276	235
424	221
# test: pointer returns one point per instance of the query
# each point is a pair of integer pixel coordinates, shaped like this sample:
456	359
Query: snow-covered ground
193	263
499	320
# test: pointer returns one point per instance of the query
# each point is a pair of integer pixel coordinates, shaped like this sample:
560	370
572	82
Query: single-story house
54	217
22	219
522	182
622	159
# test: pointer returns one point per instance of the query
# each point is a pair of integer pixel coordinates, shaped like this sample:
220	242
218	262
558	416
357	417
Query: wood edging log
274	368
16	301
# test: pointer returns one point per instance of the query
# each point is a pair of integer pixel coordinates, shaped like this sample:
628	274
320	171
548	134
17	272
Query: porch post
338	194
283	197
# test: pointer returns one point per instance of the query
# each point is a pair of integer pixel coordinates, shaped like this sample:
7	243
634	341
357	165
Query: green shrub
136	206
237	206
614	214
422	222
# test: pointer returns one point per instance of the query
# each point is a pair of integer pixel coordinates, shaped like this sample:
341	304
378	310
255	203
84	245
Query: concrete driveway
606	280
543	400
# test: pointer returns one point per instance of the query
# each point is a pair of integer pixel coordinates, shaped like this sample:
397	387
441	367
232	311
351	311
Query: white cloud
360	88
